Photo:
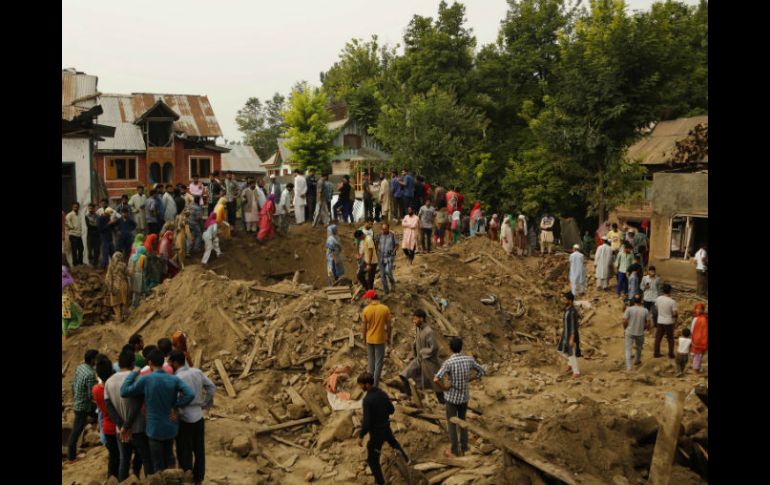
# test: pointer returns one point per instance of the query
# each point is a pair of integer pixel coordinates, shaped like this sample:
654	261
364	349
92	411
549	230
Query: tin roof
333	125
241	158
657	147
118	112
285	152
78	93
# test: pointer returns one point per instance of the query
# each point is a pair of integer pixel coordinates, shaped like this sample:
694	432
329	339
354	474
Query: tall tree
309	139
262	123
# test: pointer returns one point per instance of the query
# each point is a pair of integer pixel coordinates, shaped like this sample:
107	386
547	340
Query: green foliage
309	139
261	123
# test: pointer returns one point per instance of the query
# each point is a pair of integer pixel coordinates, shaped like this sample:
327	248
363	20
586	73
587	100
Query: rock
338	428
112	481
296	411
173	475
91	438
309	477
252	407
155	479
620	480
240	386
241	445
131	480
188	477
223	353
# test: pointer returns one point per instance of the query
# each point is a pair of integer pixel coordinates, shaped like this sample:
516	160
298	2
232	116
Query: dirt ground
600	427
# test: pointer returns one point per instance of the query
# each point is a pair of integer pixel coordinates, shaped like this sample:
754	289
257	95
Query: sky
231	50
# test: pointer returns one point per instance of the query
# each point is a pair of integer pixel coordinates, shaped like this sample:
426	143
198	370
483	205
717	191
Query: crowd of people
147	403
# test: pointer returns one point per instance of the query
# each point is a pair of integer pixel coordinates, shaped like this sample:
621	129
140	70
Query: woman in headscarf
475	217
506	234
179	342
138	242
136	274
520	235
700	335
166	252
266	226
153	270
116	281
71	313
151	244
220	210
334	266
410	224
494	228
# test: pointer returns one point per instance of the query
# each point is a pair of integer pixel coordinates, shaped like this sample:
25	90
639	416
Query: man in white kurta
602	262
577	275
282	210
300	196
250	207
136	202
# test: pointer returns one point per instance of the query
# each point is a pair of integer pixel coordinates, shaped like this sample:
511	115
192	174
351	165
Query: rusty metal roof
118	112
657	147
78	93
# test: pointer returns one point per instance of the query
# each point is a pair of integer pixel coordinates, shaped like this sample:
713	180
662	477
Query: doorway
68	186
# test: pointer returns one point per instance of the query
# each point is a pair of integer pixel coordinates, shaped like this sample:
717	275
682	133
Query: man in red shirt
103	372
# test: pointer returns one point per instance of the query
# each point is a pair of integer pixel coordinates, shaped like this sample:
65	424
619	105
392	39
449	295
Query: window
687	234
154	173
352	141
200	167
159	133
120	169
168	172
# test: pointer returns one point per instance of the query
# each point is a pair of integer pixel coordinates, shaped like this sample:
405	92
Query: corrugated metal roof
118	112
241	158
285	152
269	162
78	92
333	125
657	147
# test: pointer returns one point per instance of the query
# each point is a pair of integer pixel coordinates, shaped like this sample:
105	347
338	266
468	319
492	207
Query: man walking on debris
377	409
569	344
375	330
190	440
75	232
312	191
546	234
82	401
623	262
701	268
300	196
602	263
667	315
211	241
458	368
651	288
161	393
250	207
137	209
367	260
92	236
386	253
335	268
385	197
636	320
323	201
282	210
126	413
427	214
577	275
424	361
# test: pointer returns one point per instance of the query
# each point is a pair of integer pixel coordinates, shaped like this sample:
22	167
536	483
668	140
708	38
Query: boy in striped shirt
458	368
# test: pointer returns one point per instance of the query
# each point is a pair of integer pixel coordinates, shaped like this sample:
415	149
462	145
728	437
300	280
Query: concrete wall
77	150
675	194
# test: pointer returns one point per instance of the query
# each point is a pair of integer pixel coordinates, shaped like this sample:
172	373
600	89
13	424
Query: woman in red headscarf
166	252
179	342
700	335
151	244
475	218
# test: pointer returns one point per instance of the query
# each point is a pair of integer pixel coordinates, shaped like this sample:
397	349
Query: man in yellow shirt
376	330
367	259
613	237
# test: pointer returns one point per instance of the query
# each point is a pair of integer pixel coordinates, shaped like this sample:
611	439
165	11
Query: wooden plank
271	341
351	338
428	466
273	461
665	443
309	358
66	366
521	348
495	260
461	462
451	330
287	424
343	296
440	477
250	359
525	454
232	324
225	378
197	358
294	396
289	443
416	398
144	322
471	259
426	426
314	407
277	292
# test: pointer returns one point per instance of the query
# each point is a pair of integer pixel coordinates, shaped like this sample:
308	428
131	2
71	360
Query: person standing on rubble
211	241
377	409
335	268
367	263
300	196
458	368
546	234
569	343
667	315
424	361
602	263
386	254
623	262
577	274
636	320
136	202
376	332
506	234
82	400
282	210
163	393
190	442
75	232
410	224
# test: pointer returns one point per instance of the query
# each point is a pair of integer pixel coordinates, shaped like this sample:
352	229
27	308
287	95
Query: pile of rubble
94	299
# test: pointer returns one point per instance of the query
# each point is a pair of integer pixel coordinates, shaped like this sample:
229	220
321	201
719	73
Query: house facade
159	138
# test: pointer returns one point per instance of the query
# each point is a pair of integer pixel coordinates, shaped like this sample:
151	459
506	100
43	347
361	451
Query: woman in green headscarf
506	234
136	274
71	313
138	242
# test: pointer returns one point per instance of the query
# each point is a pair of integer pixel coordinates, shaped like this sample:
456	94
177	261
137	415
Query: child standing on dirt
683	351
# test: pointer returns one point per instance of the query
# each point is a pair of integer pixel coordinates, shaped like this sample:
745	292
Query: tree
431	133
309	139
261	123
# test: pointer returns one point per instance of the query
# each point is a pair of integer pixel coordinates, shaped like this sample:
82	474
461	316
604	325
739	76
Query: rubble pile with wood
278	418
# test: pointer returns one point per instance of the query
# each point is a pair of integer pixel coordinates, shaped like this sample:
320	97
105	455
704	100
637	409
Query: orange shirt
376	315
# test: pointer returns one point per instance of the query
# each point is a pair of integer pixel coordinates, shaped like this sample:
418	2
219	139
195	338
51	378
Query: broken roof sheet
657	147
78	93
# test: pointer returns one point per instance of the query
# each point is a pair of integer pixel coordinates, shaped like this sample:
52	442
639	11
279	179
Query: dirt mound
90	284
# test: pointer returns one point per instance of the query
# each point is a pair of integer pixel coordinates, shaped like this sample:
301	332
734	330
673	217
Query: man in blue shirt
161	397
396	191
407	191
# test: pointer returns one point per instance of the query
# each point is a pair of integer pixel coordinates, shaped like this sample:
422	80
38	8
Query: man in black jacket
377	410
